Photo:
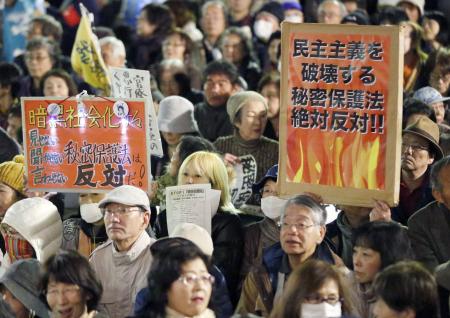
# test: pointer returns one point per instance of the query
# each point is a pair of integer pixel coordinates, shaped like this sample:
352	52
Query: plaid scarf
17	248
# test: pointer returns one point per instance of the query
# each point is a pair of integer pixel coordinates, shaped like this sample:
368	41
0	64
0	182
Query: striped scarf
17	248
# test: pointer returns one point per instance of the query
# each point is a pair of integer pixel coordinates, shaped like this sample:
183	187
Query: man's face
125	223
218	89
330	14
109	58
294	239
443	196
213	22
415	153
439	111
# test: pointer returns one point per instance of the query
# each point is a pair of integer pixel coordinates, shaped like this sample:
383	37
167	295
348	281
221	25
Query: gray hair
117	46
436	171
341	5
218	3
318	212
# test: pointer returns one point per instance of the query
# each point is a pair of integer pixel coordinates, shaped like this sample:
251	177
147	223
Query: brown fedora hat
428	129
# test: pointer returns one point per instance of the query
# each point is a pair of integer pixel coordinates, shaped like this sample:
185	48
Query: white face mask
272	206
90	212
322	310
293	18
263	29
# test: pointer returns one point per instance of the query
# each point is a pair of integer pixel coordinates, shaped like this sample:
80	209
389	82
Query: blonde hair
211	166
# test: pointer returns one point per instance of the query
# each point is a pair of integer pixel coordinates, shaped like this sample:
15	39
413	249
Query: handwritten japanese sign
131	83
94	143
341	113
245	177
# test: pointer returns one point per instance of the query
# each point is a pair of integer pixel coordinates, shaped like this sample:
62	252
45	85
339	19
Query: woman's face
272	96
38	62
253	120
329	291
190	296
366	264
144	29
167	83
171	138
55	86
7	197
382	310
192	175
174	47
65	300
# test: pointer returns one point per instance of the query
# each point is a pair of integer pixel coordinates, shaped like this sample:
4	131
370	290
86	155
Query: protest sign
340	117
131	83
84	145
245	172
192	203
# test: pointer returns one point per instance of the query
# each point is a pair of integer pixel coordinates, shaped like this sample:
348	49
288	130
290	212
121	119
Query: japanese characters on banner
341	112
245	177
131	83
87	144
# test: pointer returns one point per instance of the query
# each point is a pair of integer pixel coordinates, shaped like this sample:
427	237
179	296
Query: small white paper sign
246	172
193	203
131	83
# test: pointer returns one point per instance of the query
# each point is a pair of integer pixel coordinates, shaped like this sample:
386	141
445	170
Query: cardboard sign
90	144
131	83
340	119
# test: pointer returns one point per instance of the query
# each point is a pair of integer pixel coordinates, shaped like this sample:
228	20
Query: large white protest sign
131	83
245	177
193	203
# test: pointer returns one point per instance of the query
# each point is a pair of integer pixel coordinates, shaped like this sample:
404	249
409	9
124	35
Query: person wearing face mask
263	234
293	11
315	290
31	228
86	233
267	21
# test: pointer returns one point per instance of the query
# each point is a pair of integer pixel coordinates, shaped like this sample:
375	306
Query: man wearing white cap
123	261
434	99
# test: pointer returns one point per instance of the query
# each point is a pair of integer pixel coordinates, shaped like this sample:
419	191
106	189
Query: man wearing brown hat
420	148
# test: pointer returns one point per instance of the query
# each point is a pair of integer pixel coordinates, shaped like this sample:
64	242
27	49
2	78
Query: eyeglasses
66	292
414	147
297	226
37	58
191	279
120	210
318	299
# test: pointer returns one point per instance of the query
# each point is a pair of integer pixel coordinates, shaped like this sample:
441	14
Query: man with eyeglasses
302	231
420	149
122	263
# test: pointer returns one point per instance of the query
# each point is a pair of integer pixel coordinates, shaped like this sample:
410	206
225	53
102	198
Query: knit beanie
238	100
12	173
176	115
274	8
420	4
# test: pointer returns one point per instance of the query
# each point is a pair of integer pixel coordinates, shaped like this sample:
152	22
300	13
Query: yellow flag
86	58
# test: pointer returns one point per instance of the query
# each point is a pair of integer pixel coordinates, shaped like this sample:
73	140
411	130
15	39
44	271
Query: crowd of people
215	83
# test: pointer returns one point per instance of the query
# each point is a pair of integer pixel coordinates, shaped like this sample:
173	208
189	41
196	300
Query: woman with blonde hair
226	230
